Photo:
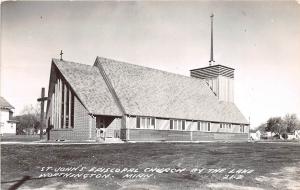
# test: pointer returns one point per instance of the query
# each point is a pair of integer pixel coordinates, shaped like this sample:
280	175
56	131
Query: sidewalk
44	142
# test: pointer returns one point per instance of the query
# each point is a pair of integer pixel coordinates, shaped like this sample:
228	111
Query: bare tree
31	109
291	122
276	125
29	119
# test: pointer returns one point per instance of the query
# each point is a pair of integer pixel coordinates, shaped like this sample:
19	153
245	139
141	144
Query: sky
260	40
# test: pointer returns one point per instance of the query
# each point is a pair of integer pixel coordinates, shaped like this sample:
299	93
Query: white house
255	136
8	125
295	136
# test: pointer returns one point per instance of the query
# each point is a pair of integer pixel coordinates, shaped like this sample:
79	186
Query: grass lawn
269	166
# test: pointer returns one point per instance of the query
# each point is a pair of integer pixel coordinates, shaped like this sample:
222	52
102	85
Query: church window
177	124
171	124
148	123
204	126
183	125
72	111
67	107
62	105
242	128
153	123
145	123
138	125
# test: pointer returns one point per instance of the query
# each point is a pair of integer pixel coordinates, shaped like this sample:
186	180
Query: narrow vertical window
242	128
202	125
72	111
145	122
175	125
62	104
10	115
67	108
148	123
142	122
138	122
208	126
183	125
198	125
171	124
153	123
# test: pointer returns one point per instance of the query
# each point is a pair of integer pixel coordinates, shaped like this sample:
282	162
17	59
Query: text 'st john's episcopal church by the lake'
114	101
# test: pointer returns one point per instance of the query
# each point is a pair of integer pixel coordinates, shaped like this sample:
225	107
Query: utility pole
42	99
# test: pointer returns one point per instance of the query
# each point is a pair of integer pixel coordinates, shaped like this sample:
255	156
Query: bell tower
219	78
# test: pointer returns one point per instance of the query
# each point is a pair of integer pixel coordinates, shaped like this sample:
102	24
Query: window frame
183	128
153	122
138	123
145	122
208	126
242	128
177	124
171	124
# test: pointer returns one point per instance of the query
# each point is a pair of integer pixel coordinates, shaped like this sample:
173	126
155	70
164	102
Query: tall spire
211	61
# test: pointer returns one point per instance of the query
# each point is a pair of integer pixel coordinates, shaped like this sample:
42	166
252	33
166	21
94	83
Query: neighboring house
267	135
297	134
8	125
255	136
114	99
294	136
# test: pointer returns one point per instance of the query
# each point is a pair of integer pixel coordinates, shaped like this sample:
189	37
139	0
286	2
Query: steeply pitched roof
89	86
109	85
5	104
150	92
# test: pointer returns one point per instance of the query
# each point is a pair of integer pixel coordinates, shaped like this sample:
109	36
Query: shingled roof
145	91
89	86
5	104
150	92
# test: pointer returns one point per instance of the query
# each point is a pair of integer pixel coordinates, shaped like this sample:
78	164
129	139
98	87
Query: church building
114	101
118	100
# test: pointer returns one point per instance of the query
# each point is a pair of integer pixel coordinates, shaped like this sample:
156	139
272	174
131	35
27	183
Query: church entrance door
101	129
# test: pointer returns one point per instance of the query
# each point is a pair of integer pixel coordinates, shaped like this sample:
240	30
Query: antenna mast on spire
211	61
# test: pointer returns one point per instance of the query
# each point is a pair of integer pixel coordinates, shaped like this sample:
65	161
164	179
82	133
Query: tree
29	119
276	125
291	122
262	127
